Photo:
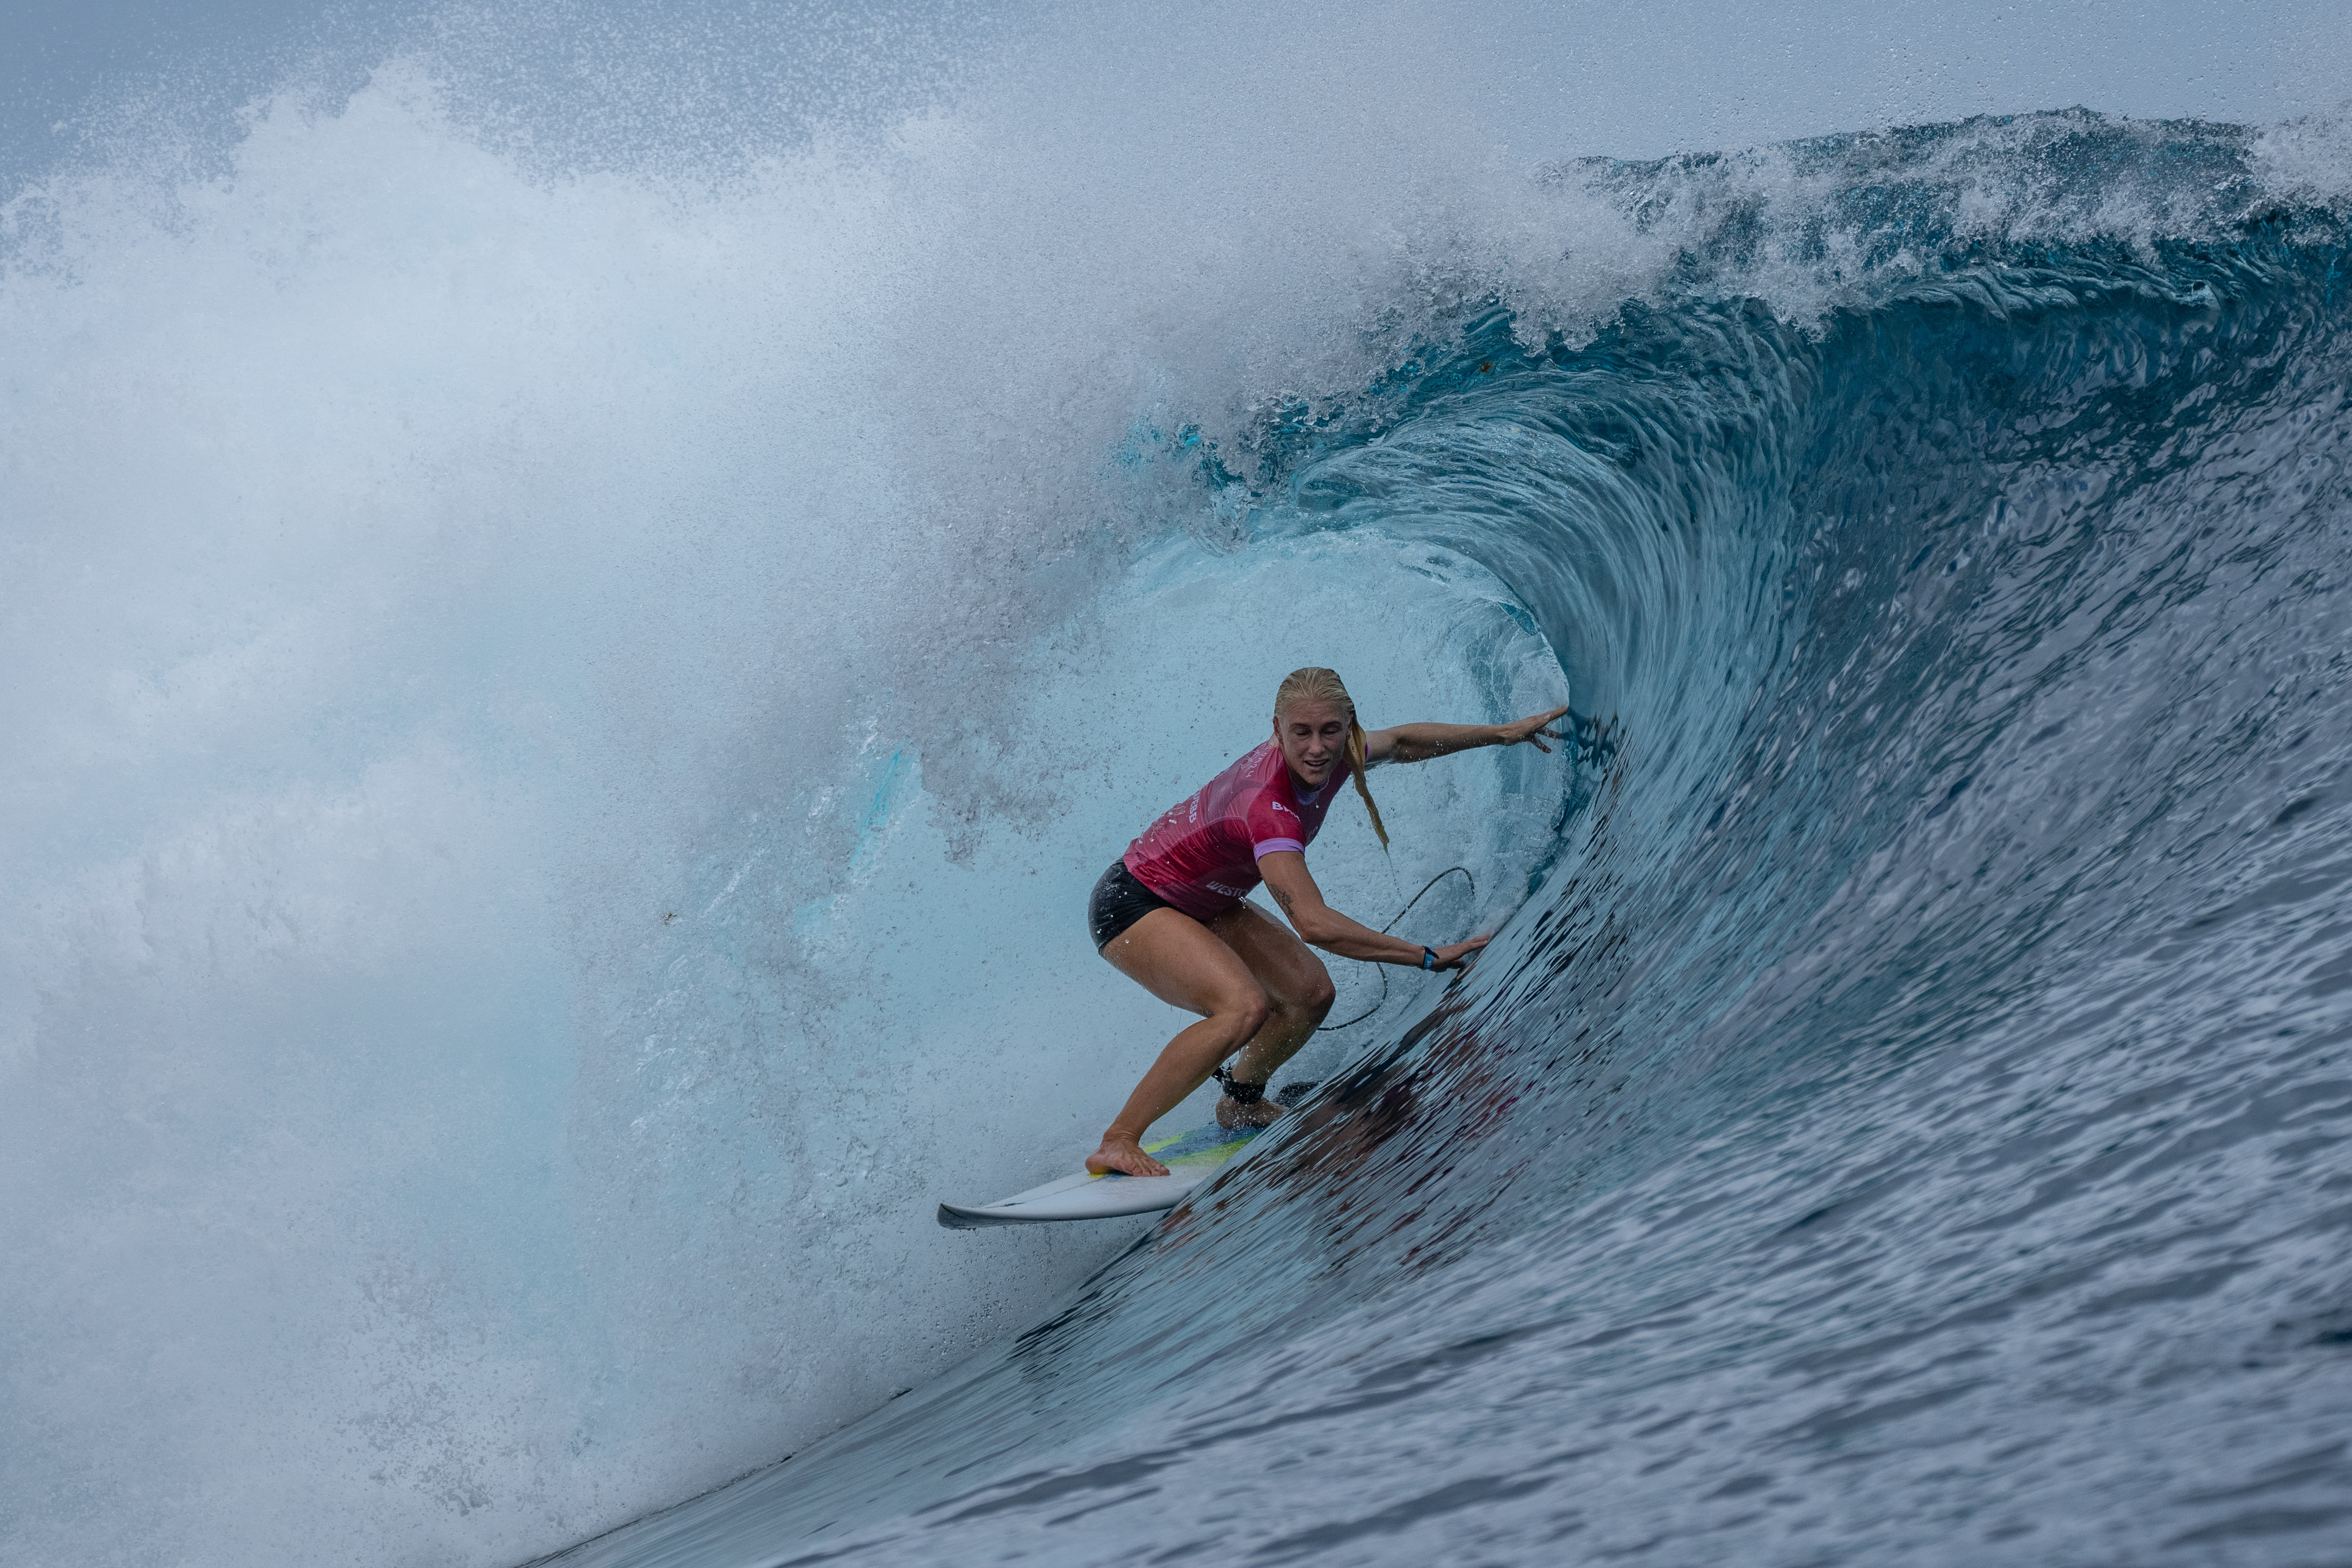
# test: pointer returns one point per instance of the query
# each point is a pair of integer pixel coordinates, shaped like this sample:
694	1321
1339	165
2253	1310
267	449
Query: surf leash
1451	870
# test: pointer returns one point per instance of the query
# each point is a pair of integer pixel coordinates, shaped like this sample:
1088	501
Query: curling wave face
1906	1121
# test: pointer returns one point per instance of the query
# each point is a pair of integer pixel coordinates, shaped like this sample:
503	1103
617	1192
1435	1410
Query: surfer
1172	915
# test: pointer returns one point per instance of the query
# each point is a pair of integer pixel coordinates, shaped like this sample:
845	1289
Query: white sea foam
544	851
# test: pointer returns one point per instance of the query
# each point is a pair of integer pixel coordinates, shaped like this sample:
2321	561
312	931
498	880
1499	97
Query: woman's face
1313	737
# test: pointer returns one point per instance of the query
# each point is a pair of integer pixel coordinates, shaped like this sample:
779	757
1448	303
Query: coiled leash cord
1450	870
1292	1093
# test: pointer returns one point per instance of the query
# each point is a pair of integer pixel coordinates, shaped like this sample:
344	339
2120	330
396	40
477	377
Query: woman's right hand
1452	955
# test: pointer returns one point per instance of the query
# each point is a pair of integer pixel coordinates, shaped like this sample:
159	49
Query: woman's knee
1244	1011
1320	994
1308	993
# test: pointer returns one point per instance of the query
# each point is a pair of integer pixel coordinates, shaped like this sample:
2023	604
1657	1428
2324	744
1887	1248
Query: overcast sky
1565	76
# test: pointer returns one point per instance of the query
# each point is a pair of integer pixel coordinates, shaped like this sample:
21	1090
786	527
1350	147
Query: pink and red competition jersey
1202	855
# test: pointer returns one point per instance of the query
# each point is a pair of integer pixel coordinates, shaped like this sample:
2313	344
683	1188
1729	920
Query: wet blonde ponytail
1316	684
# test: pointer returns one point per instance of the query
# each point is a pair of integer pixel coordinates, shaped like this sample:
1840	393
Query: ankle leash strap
1240	1093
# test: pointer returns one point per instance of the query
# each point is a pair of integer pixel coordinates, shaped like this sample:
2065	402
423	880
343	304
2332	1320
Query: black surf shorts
1119	900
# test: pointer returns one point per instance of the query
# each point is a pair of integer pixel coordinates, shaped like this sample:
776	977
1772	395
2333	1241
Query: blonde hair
1316	684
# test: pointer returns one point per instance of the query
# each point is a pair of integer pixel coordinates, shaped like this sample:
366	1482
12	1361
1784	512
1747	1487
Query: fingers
1456	954
1535	729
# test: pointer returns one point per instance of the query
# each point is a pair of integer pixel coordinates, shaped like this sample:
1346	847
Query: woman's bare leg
1180	961
1298	993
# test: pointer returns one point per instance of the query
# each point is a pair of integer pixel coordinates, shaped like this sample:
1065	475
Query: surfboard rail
1192	1158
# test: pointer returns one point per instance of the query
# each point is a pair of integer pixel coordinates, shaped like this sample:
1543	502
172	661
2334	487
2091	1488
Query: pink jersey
1202	856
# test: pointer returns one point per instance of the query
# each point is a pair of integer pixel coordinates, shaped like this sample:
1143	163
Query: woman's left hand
1534	730
1451	955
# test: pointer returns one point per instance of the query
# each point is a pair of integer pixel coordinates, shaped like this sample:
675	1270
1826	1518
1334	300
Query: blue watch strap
1429	958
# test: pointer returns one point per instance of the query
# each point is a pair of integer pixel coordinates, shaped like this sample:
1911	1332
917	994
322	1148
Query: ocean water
567	688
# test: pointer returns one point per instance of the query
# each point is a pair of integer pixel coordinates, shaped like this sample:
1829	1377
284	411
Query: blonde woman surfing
1172	914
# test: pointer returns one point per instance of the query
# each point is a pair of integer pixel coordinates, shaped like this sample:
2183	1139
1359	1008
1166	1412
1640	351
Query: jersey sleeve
1272	825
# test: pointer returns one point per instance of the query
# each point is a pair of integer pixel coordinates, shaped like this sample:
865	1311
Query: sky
1549	80
56	55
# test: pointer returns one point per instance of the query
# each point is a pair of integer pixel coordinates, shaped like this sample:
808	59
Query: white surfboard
1191	1159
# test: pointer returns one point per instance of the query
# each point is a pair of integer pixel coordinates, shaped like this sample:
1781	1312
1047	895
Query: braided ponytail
1316	684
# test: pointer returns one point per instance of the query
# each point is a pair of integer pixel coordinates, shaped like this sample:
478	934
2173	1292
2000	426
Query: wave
1909	1091
565	719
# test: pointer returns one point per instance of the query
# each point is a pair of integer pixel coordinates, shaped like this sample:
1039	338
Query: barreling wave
1906	1119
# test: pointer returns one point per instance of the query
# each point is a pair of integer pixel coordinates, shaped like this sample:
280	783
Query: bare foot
1121	1152
1233	1113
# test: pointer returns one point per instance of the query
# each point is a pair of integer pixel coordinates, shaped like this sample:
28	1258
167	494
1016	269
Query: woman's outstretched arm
1419	742
1320	925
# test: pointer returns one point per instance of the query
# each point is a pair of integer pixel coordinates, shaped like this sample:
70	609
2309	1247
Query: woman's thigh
1180	961
1282	964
